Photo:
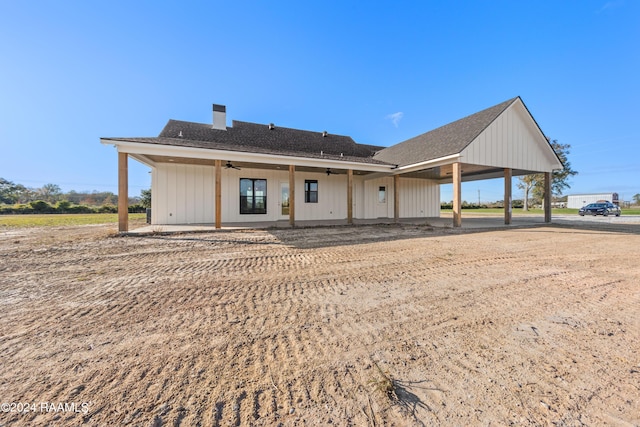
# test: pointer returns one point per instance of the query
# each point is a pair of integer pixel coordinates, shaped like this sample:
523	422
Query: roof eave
241	156
440	161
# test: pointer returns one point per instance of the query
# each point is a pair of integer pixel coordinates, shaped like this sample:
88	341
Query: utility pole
478	197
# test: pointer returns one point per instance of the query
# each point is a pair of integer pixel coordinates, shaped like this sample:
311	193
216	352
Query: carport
501	141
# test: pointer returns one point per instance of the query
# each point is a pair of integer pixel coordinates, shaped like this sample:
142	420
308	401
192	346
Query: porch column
507	196
547	197
457	195
349	196
396	198
123	192
292	195
218	218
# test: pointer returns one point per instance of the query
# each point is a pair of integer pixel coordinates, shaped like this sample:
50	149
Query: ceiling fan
230	166
329	171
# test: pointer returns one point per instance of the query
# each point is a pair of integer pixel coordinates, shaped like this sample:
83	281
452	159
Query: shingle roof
266	139
443	141
275	139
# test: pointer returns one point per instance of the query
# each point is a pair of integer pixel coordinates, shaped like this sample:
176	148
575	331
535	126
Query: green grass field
56	220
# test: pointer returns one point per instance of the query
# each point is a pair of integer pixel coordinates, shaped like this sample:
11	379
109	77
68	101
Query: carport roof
444	141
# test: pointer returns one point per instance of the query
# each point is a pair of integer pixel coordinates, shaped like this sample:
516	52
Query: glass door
284	200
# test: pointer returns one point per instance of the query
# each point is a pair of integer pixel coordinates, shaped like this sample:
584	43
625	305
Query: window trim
382	190
308	192
253	210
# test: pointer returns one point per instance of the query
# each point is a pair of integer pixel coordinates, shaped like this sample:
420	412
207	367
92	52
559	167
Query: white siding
511	141
185	194
182	194
419	198
332	197
358	197
372	208
231	194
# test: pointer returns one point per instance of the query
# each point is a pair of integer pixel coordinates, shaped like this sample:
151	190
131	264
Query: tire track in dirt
253	329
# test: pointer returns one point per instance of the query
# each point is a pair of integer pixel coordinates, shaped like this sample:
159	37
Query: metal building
576	201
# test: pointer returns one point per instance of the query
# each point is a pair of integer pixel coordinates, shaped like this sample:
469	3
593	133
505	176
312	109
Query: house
248	172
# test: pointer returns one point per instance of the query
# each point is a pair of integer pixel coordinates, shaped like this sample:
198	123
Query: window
310	191
253	196
382	194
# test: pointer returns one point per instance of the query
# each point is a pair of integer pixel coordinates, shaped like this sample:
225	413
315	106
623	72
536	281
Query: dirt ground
371	325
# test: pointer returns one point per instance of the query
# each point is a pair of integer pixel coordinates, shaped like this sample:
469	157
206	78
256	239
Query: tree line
17	198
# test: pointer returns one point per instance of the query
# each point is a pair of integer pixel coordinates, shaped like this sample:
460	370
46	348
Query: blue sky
75	71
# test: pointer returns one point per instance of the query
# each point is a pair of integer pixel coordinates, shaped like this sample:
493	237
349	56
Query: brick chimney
219	117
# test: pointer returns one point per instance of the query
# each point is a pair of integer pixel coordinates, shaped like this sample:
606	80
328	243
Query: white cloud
611	5
395	118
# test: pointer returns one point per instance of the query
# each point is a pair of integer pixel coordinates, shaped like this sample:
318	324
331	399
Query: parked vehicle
600	208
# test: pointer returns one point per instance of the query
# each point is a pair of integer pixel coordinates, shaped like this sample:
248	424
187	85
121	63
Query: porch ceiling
443	174
470	172
246	165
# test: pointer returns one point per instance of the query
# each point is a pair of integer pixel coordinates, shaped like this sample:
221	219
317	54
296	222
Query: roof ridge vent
272	126
325	133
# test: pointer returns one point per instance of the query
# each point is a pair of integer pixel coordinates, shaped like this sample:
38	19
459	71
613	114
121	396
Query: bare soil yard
371	325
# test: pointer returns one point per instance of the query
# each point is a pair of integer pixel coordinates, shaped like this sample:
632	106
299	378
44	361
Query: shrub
137	208
40	206
62	206
107	209
80	209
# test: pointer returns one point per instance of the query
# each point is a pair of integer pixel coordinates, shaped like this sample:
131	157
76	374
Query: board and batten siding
182	194
372	208
419	198
185	194
332	197
513	141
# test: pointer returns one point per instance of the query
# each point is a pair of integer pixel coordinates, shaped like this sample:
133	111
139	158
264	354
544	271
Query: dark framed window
310	191
253	196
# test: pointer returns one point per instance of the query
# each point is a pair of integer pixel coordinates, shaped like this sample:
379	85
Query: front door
284	200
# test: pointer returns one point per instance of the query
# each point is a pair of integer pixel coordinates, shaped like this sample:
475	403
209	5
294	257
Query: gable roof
448	140
444	141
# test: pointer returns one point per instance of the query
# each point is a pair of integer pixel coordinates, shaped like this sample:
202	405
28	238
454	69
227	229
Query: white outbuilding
576	201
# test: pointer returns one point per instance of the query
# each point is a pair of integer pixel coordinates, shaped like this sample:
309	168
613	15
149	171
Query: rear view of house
248	172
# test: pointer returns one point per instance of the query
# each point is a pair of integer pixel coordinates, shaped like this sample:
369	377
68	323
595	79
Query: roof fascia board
239	156
447	160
